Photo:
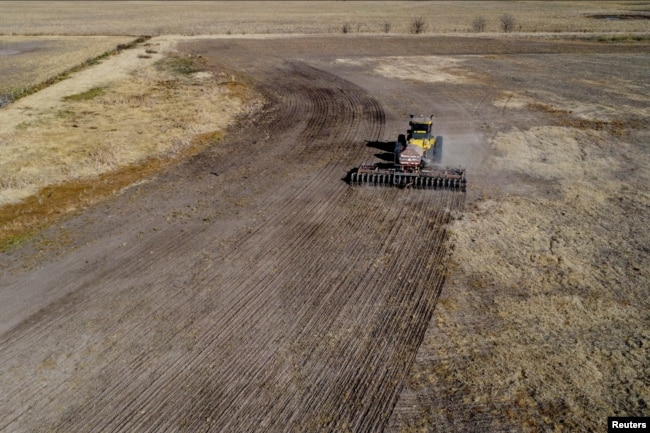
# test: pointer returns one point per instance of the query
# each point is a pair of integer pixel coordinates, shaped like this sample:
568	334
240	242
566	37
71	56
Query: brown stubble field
278	17
27	61
240	284
549	275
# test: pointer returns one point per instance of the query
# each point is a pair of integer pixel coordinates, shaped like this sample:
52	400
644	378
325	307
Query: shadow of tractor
387	153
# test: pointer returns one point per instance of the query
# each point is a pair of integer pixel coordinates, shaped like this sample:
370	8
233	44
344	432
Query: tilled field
275	287
251	288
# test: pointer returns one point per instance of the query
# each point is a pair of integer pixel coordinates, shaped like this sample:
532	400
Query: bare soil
250	288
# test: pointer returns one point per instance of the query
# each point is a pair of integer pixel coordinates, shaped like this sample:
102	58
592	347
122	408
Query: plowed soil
252	289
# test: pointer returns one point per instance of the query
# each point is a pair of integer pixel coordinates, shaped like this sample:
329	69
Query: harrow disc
453	180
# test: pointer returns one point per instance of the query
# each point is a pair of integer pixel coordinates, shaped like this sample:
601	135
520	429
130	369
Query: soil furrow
268	327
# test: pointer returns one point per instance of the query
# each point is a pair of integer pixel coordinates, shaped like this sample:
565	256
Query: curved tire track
307	322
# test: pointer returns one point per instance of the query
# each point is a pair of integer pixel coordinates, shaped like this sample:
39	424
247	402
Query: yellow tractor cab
419	133
419	148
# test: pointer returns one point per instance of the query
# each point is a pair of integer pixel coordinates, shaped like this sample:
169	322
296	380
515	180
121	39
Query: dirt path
252	289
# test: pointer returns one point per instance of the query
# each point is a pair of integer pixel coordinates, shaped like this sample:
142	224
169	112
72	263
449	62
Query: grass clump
87	95
179	65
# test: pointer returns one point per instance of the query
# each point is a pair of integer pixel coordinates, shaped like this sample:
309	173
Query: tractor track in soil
298	306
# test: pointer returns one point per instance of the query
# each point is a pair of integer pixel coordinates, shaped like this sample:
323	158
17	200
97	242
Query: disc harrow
448	178
416	158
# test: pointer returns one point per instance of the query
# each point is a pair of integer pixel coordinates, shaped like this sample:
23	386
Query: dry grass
543	321
193	18
19	220
559	277
564	335
32	62
79	147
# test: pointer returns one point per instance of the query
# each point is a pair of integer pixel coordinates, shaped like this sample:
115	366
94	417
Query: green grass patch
87	95
207	138
9	242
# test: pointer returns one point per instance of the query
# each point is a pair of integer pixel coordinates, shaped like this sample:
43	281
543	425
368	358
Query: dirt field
273	296
250	288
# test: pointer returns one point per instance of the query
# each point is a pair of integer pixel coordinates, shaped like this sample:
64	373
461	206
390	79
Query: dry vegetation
549	288
128	114
558	286
27	61
176	17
